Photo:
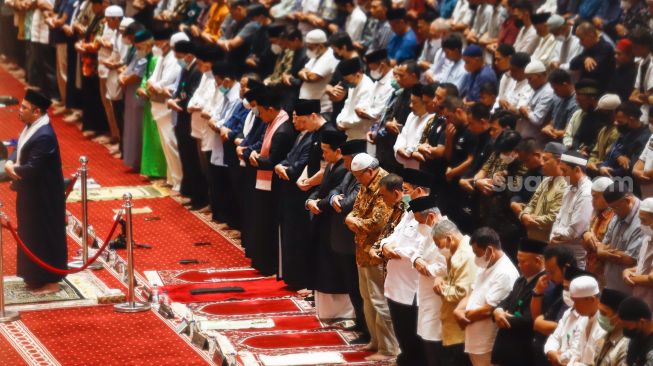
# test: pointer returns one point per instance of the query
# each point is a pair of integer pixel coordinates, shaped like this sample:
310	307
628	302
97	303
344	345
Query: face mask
646	230
395	84
208	74
311	54
376	74
156	51
605	323
566	297
256	112
446	252
482	262
632	333
223	90
507	159
182	63
623	129
276	49
406	199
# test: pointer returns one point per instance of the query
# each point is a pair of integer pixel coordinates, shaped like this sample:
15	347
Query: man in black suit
37	178
334	199
277	142
193	183
294	222
512	346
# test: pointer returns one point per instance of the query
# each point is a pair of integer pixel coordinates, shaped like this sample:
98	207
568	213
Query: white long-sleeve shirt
359	97
526	40
547	50
381	93
355	23
588	344
429	325
568	48
202	98
409	138
402	279
564	337
517	93
166	75
574	217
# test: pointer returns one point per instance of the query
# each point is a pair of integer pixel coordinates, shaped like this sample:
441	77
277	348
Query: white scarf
28	132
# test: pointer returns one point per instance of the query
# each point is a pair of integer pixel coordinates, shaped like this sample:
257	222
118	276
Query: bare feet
46	289
379	357
369	347
304	292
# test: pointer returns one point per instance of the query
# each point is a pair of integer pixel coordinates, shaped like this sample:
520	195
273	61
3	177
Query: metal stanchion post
83	175
5	316
131	306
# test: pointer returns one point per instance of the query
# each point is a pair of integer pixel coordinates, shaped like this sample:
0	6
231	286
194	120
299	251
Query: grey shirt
624	235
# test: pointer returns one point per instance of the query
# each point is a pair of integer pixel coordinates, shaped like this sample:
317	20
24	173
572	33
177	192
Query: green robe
153	162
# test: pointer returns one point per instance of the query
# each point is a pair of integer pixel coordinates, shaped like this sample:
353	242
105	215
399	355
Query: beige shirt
461	273
544	207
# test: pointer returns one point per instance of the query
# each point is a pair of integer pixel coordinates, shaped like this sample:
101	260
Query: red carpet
100	336
203	277
268	287
9	355
294	340
285	323
249	307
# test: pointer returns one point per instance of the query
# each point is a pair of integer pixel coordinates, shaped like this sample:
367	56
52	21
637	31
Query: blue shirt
589	8
402	47
470	86
447	7
237	120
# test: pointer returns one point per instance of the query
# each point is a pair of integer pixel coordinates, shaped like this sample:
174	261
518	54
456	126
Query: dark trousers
454	356
218	192
404	321
432	351
347	266
119	111
41	71
8	41
193	183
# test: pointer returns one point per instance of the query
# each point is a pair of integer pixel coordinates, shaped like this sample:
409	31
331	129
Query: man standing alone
35	171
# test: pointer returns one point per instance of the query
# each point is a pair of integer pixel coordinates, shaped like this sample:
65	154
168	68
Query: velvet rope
52	269
71	185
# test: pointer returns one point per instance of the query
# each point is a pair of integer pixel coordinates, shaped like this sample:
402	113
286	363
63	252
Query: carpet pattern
137	339
211	275
116	193
17	293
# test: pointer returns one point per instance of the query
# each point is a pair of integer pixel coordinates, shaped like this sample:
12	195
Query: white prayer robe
360	96
574	217
547	50
563	337
409	138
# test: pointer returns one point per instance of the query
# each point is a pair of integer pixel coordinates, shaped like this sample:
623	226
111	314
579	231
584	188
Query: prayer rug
267	287
116	193
209	275
249	307
16	293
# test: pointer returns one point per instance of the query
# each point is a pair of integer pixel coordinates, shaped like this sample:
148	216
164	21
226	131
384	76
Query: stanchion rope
50	268
71	185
